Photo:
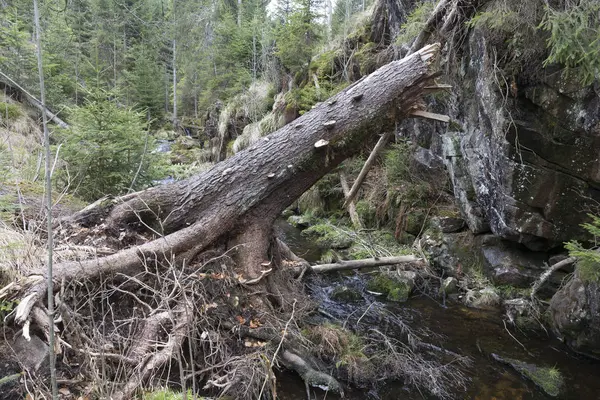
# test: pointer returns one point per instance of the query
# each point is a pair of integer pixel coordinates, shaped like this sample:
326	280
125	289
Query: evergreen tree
105	149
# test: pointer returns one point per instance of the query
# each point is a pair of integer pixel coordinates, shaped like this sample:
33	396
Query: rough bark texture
271	174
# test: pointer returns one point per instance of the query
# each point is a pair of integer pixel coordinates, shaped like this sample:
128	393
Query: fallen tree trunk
356	264
230	209
238	200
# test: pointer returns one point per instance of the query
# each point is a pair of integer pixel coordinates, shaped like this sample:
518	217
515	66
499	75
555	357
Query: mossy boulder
328	236
300	221
486	298
164	134
186	143
415	222
396	285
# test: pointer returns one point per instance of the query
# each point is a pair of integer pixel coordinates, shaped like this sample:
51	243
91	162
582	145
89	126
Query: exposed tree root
311	376
181	319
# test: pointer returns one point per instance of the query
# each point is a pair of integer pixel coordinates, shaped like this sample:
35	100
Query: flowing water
466	331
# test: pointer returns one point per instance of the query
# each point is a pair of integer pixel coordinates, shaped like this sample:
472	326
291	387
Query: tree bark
237	200
354	217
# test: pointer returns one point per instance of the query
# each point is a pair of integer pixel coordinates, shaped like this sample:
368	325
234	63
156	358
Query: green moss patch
328	236
394	288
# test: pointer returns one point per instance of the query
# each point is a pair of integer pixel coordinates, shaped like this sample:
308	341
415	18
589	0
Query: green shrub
588	264
9	112
105	149
415	22
575	38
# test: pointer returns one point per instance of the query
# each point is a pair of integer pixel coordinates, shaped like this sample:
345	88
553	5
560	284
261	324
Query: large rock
31	354
507	263
575	315
524	166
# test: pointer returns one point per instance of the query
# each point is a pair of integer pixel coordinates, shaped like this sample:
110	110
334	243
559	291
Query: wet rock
299	221
449	286
548	379
451	224
526	169
346	294
31	354
451	253
575	315
507	263
520	313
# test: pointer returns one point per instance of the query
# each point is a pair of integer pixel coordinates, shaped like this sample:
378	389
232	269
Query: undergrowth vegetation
415	22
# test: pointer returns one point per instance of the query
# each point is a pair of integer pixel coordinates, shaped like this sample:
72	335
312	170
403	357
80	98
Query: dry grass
256	130
20	147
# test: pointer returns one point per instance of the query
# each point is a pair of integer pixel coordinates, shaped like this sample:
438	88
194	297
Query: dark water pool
468	332
477	334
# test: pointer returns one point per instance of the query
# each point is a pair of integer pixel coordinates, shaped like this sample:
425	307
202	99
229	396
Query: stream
467	331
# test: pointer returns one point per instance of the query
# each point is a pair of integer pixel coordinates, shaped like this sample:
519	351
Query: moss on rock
394	286
328	236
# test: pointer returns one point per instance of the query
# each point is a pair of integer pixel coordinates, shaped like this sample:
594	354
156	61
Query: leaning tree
169	245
